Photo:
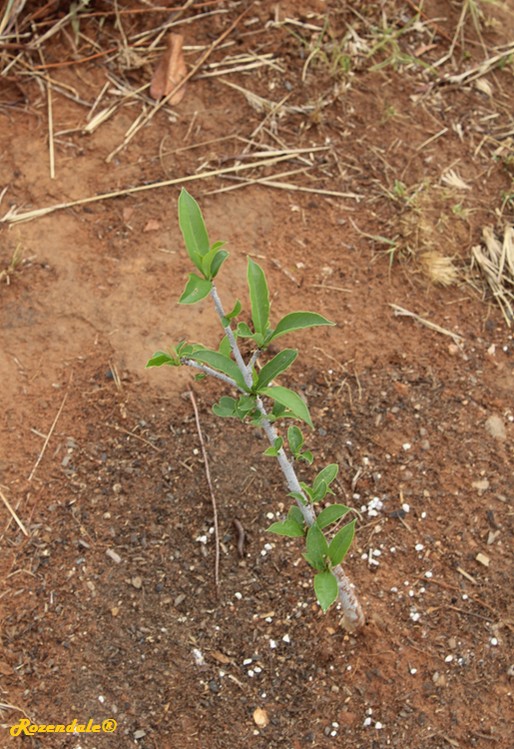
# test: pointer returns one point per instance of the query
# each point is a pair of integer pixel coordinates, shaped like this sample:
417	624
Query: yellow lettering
96	728
33	728
50	729
70	728
20	727
60	728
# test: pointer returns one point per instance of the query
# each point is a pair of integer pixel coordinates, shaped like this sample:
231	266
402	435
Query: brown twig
211	491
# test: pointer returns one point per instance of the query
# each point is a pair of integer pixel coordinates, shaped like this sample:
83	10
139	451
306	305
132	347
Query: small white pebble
364	556
423	515
348	668
428	574
493	641
406	507
367	722
448	659
333	733
238	596
201	539
392	549
413	671
273	644
211	531
394	589
411	593
369	711
247	661
406	446
268	547
263	552
196	451
376	552
419	547
335	724
415	616
286	638
378	725
250	673
257	669
263	695
465	596
268	619
101	698
270	516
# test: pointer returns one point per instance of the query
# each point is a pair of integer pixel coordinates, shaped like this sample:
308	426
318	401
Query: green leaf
326	589
276	366
243	330
328	474
275	448
330	514
230	316
341	543
224	347
196	289
299	497
160	358
296	514
287	527
295	439
259	296
226	407
317	548
219	259
307	456
290	400
320	491
245	404
193	228
298	321
222	363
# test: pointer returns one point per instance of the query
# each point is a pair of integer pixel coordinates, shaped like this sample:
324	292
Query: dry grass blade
400	311
12	217
13	513
496	263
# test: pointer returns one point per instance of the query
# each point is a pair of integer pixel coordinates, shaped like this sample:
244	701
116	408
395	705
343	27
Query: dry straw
495	259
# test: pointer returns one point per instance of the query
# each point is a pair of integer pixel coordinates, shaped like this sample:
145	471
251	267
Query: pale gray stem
353	616
212	372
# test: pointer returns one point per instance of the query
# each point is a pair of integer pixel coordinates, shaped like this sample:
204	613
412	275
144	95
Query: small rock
114	556
260	717
140	734
496	428
481	486
439	679
483	559
137	582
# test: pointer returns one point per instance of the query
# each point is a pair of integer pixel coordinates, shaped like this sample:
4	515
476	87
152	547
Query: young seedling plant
261	402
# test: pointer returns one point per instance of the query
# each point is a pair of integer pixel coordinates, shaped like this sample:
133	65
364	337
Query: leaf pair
208	260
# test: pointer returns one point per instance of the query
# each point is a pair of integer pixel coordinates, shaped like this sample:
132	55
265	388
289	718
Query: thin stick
47	440
432	325
136	436
12	217
213	498
15	516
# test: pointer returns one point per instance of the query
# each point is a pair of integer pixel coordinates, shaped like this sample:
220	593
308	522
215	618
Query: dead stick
47	440
15	516
213	498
